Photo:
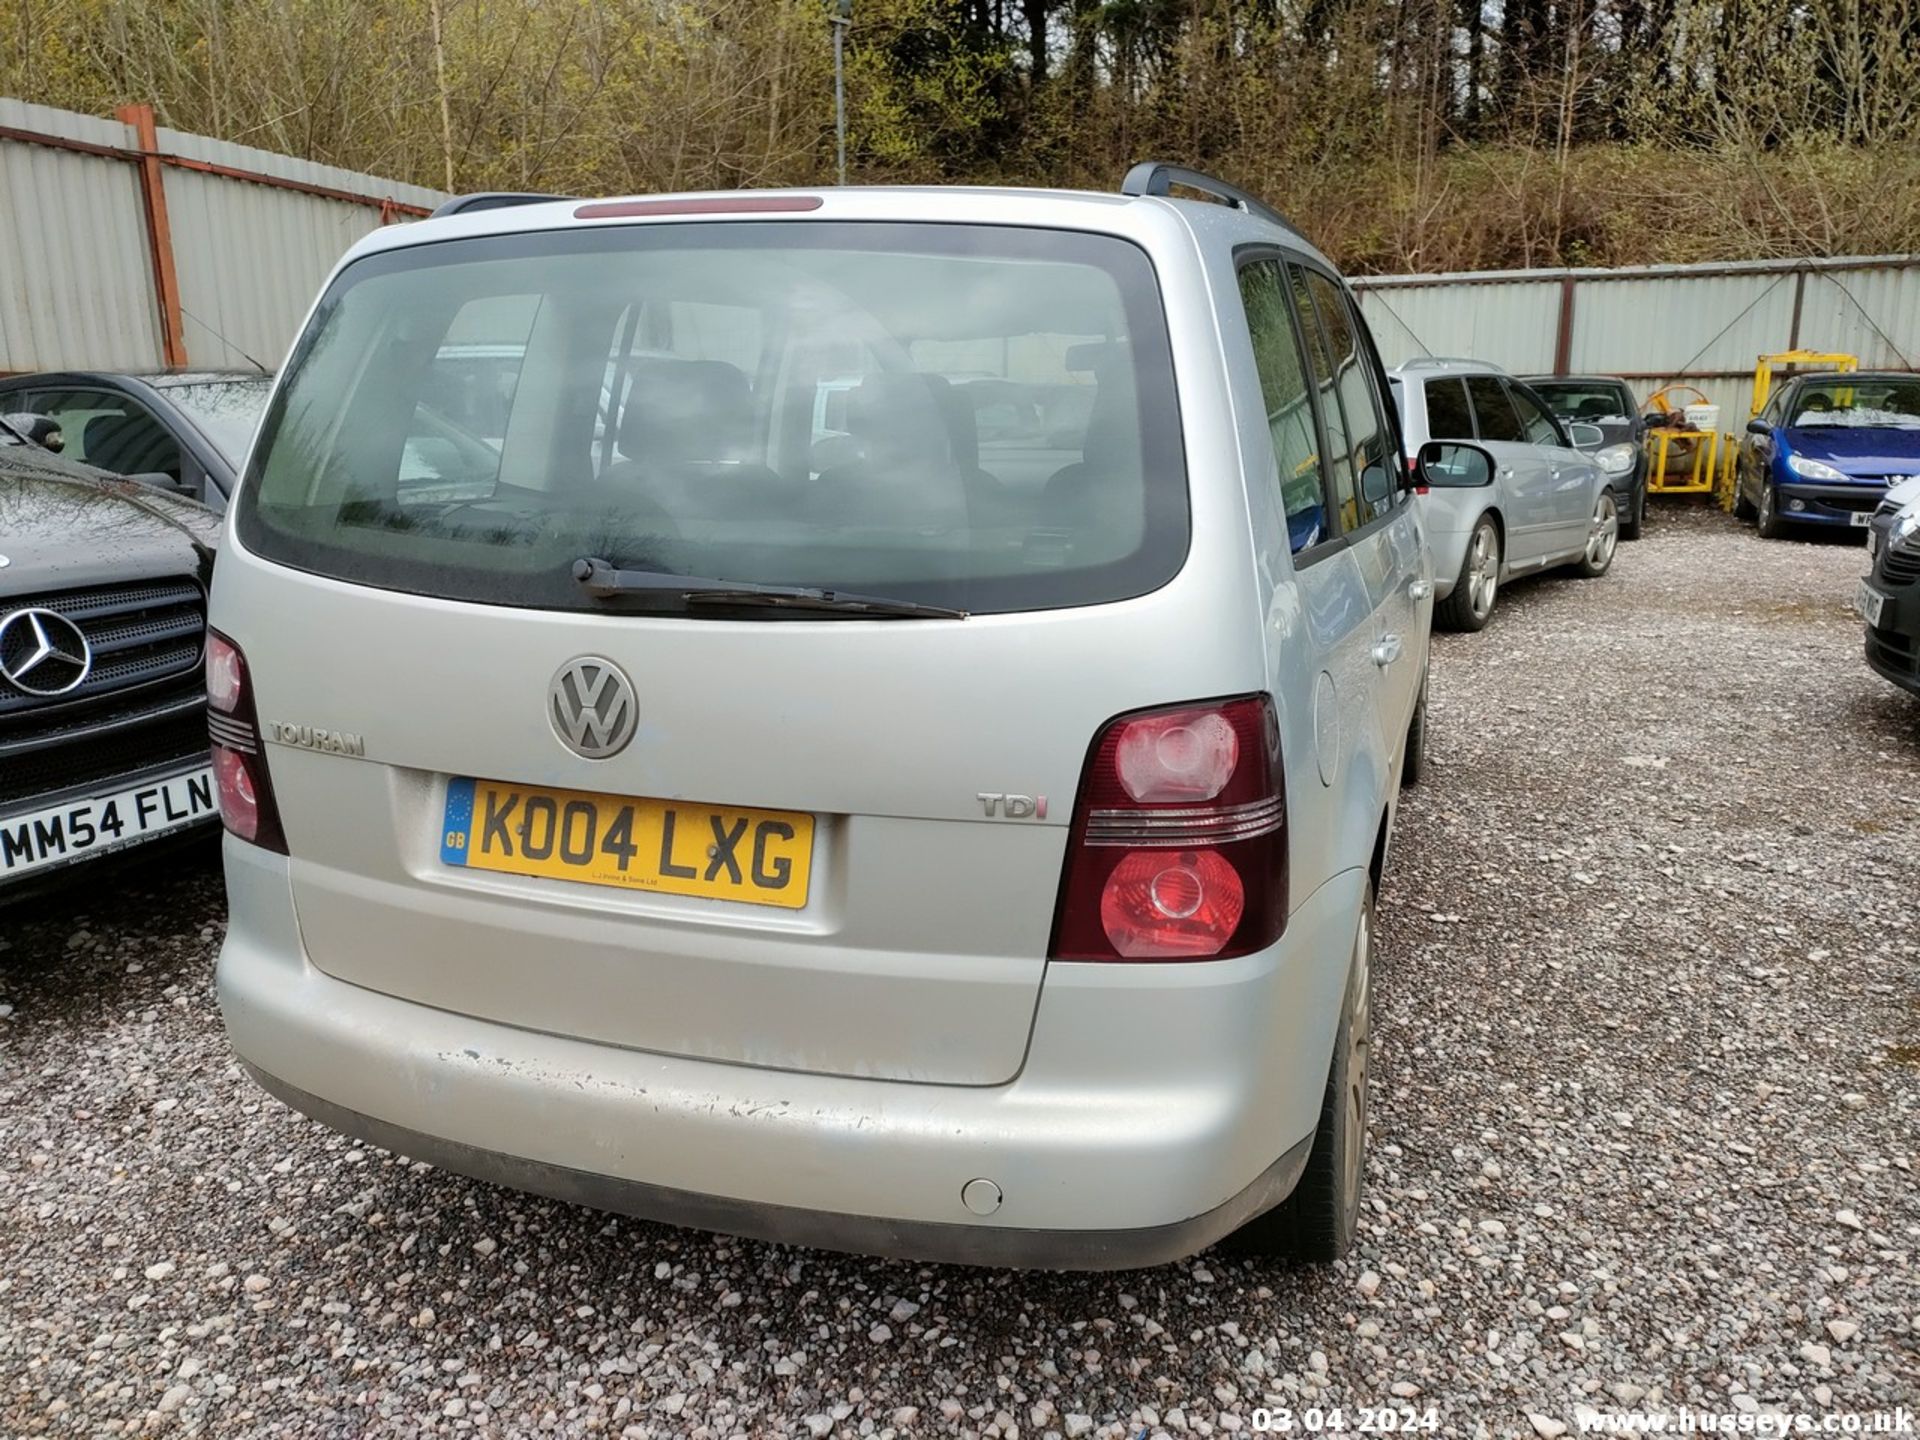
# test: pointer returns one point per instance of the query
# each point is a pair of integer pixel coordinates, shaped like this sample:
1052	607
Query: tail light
247	806
1179	847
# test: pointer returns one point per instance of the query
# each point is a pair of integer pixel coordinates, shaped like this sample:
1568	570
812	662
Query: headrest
898	421
963	426
686	410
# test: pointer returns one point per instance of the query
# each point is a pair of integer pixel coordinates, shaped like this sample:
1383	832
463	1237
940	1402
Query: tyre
1414	764
1742	507
1631	522
1470	604
1768	521
1316	1222
1603	538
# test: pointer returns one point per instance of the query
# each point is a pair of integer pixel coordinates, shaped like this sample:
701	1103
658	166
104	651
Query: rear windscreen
971	416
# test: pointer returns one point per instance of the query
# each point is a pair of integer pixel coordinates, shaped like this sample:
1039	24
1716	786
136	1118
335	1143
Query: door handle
1419	589
1506	472
1386	650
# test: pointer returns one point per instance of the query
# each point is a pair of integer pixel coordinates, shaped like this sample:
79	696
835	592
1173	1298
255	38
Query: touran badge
43	653
593	708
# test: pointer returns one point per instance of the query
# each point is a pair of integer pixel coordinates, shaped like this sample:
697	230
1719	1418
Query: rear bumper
946	1243
1159	1107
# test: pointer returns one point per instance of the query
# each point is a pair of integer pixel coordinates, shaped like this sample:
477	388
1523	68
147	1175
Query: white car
966	852
1546	504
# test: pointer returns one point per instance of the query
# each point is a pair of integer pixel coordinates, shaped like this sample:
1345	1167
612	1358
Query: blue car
1825	449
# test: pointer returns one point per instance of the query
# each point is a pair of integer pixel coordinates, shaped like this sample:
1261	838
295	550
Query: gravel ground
1647	1098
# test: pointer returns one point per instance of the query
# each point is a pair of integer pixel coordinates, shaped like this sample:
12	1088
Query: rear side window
1288	400
971	416
1449	417
1493	411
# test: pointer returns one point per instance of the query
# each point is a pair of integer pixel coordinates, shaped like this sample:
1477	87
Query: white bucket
1704	418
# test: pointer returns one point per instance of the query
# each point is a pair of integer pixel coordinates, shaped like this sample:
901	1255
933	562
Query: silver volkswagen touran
865	718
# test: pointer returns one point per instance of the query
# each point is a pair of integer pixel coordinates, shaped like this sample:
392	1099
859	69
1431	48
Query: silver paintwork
861	1062
1543	498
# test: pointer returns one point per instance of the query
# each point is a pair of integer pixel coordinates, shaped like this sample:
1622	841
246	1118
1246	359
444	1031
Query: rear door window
972	416
1493	412
1449	416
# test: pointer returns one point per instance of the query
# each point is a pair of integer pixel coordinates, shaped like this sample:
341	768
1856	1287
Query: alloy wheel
1483	571
1353	1108
1604	534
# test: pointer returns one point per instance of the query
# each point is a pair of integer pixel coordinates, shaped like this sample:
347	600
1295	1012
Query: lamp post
840	19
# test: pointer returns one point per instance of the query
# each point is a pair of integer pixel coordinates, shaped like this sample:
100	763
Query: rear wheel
1317	1221
1471	601
1768	522
1603	538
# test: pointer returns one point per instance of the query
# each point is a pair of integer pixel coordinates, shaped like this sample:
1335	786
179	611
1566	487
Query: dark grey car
103	731
1606	401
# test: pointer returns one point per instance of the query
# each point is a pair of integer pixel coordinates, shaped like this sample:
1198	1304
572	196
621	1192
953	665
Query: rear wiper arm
602	581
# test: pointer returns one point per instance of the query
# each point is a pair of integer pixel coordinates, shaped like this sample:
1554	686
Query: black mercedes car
1606	401
103	731
192	426
1888	595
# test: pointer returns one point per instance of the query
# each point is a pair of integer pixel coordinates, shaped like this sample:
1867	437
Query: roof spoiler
490	200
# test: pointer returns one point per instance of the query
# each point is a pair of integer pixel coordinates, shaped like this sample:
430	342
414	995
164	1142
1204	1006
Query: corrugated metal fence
1702	325
127	247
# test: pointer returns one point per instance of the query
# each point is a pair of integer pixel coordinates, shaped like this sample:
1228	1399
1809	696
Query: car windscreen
977	417
1870	402
226	411
1583	400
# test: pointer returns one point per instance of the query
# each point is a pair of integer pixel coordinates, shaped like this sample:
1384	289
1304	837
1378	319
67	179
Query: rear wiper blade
881	607
602	581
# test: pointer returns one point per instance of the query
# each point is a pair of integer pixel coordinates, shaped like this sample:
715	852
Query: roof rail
1153	177
489	200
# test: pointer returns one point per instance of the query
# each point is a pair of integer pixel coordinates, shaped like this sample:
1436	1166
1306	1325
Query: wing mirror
1759	427
1452	465
42	430
1586	436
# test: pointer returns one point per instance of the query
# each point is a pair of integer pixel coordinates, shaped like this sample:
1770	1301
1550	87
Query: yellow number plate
759	857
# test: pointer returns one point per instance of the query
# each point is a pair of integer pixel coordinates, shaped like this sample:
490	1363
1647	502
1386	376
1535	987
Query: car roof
1141	218
155	379
1574	380
1428	366
1852	375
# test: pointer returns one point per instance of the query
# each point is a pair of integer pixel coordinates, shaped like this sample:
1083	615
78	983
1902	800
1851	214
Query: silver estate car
1547	503
884	737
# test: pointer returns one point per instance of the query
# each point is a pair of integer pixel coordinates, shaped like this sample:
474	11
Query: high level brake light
1178	849
247	806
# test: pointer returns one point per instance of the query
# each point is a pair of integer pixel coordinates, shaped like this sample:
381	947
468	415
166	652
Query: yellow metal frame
1702	467
1763	371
